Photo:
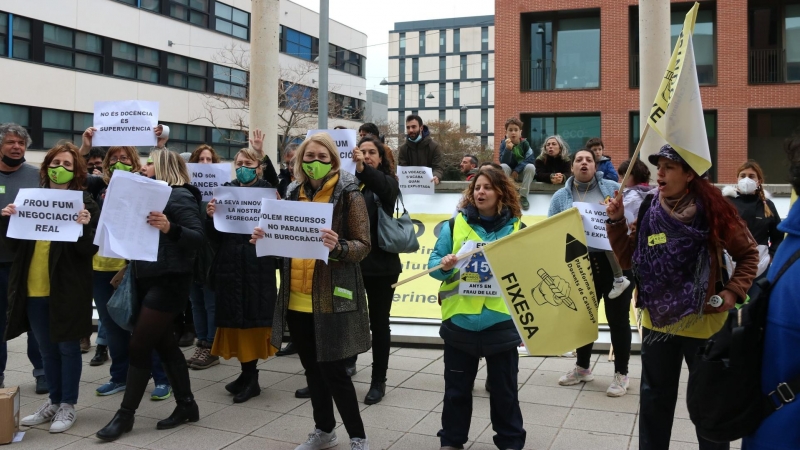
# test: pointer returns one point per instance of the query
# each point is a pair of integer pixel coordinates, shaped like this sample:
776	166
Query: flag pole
434	269
633	158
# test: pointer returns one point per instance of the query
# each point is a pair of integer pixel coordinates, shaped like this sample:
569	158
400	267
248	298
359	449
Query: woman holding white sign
162	288
586	186
325	305
50	292
245	288
475	319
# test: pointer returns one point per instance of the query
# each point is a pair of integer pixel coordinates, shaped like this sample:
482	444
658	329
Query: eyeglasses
123	158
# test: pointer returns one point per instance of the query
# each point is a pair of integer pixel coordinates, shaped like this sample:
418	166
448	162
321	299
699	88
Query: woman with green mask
245	289
325	305
50	293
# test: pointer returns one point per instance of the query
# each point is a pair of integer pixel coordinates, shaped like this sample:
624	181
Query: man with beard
420	149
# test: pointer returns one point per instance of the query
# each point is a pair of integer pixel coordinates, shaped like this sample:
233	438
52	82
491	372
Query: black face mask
10	162
91	169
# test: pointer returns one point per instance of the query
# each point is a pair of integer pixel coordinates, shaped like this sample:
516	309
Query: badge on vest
656	239
476	278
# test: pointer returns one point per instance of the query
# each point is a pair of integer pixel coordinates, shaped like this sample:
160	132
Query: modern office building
573	69
444	70
377	108
57	57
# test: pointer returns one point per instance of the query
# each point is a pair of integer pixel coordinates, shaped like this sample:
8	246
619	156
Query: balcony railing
537	75
767	66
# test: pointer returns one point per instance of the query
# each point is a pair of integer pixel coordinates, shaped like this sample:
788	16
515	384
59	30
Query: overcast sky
377	18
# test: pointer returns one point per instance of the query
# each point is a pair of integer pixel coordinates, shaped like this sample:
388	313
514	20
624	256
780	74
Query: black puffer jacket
178	248
378	262
764	229
244	285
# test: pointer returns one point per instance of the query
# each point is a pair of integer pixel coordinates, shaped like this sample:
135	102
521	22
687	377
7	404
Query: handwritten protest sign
46	215
345	141
292	229
129	122
238	208
415	180
594	224
123	231
206	177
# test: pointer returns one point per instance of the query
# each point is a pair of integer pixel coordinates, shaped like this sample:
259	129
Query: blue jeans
62	360
33	346
118	339
101	334
204	307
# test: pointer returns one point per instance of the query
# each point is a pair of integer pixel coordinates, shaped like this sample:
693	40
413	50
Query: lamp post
543	65
324	49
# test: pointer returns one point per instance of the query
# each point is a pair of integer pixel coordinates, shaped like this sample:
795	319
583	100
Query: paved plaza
576	417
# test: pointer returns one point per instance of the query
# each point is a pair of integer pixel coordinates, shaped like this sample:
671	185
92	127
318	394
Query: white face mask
747	185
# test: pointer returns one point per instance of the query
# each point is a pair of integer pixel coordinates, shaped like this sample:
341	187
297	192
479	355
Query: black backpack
724	393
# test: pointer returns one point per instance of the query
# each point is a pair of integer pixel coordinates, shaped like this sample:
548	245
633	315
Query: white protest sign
594	224
128	122
123	231
206	177
345	141
237	209
292	229
46	215
475	275
415	180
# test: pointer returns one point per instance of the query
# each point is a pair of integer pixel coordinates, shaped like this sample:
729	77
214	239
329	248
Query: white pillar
265	72
654	54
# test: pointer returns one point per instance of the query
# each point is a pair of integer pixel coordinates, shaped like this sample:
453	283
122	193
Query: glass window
484	66
68	48
421	42
82	121
578	53
88	42
21	46
576	130
232	21
129	2
421	95
457	40
58	56
228	142
442	92
442	41
3	34
152	5
463	65
767	131
194	11
485	38
15	114
58	125
298	44
703	40
463	119
57	35
230	82
414	69
484	121
186	73
442	68
402	96
132	61
442	116
456	93
792	42
402	70
402	44
185	138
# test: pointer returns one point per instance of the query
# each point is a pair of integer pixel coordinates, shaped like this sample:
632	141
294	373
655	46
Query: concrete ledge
450	187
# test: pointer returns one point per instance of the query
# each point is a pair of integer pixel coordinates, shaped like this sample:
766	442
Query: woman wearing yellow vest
325	305
476	325
50	293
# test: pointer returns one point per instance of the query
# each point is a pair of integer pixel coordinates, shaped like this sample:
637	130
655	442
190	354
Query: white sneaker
619	386
319	440
359	444
620	284
64	419
575	376
44	414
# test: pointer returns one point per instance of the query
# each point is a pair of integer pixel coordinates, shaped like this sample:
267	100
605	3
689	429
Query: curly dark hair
506	190
387	160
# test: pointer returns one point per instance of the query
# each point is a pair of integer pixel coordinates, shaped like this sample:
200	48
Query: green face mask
119	165
316	170
60	175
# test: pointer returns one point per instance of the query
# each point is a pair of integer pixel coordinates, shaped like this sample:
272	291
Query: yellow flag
677	113
546	279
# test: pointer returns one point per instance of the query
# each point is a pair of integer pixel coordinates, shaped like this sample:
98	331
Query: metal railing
767	66
537	75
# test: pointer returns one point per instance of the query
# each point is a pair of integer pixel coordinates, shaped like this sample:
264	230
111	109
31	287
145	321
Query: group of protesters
240	310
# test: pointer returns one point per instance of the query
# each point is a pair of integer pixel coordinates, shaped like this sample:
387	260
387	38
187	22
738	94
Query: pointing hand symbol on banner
552	290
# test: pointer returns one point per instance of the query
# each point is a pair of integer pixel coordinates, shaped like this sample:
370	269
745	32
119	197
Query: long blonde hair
170	167
323	139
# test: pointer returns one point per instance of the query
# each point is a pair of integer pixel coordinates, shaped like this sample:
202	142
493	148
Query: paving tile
282	364
556	396
417	364
287	428
683	430
600	401
550	378
425	353
238	419
678	445
411	441
36	439
307	410
412	399
163	409
94	443
215	393
88	422
600	421
193	437
530	362
425	382
601	383
607	369
547	415
432	423
379	439
275	401
257	443
216	373
394	377
572	439
537	436
562	365
291	384
391	417
681	410
97	373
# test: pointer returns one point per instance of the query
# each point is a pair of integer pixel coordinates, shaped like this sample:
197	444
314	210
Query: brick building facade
751	95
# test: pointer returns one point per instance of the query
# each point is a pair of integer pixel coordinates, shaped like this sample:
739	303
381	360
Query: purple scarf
673	275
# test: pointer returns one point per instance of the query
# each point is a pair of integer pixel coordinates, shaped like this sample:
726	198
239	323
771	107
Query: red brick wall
731	97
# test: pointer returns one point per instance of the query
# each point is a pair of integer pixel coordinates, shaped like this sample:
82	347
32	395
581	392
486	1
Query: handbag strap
397	202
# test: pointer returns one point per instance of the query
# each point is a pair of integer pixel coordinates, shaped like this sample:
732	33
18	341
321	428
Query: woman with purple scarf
676	255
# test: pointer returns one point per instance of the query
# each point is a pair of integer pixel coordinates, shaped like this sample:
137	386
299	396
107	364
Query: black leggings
617	313
380	295
155	326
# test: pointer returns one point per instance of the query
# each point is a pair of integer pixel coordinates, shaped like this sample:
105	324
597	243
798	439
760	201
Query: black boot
100	356
122	422
185	409
376	392
250	389
237	385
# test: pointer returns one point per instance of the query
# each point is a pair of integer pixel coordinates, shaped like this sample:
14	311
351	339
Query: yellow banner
550	297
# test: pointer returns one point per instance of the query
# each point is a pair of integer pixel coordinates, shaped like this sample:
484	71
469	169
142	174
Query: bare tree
297	100
455	142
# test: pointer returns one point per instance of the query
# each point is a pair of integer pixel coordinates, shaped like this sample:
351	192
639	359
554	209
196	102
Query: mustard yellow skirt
243	344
